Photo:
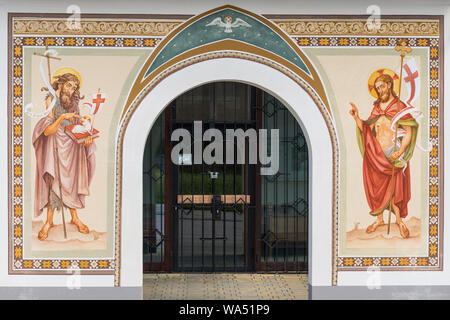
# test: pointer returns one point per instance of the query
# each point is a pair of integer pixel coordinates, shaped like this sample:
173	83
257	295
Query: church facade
231	138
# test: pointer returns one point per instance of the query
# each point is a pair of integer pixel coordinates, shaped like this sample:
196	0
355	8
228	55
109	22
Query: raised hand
354	112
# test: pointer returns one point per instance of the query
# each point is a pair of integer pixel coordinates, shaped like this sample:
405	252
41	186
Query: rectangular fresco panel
90	78
351	71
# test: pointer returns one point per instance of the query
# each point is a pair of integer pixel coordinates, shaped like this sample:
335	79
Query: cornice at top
161	27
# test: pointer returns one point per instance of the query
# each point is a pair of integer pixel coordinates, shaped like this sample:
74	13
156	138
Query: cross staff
403	51
48	57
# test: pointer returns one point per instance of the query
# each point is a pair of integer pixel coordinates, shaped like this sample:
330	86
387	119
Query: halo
379	72
65	70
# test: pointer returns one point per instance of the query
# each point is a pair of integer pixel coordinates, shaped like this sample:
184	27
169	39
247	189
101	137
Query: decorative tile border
434	259
140	42
19	265
358	27
101	27
161	27
421	34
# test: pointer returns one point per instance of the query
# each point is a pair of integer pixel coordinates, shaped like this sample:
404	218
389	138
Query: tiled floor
229	286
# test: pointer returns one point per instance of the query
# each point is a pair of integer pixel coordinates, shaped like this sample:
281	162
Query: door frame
306	108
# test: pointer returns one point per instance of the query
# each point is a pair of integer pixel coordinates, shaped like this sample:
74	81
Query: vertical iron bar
276	251
264	201
286	181
224	192
296	195
203	192
150	223
168	190
192	188
213	190
305	225
224	174
162	175
234	185
256	97
180	186
245	211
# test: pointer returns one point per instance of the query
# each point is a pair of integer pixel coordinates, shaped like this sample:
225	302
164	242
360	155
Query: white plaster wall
321	243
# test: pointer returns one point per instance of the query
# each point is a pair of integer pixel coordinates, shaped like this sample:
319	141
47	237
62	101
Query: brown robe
76	164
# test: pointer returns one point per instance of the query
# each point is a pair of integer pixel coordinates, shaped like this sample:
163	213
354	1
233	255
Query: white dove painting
227	24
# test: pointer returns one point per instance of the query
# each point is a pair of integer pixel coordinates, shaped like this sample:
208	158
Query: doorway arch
134	132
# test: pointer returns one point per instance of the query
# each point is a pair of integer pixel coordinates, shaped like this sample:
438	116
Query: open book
80	137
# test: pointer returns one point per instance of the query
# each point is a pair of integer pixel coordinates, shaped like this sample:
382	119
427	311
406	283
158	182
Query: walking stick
56	148
403	50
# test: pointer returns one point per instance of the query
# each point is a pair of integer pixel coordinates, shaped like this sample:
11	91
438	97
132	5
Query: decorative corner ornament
227	24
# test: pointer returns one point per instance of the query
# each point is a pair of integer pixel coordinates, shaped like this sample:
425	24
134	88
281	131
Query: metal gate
201	217
213	205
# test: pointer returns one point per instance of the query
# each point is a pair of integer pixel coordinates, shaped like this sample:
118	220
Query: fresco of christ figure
381	158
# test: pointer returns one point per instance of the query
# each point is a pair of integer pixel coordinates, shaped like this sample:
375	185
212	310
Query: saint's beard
67	101
384	97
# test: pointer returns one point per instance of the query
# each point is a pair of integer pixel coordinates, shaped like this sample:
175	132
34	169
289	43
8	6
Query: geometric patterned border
434	259
17	263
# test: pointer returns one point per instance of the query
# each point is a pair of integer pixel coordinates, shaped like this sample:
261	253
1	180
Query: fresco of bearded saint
76	161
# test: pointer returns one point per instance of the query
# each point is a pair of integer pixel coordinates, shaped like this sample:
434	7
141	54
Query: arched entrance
288	75
230	212
133	138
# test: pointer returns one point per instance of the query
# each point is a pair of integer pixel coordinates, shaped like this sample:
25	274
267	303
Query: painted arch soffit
227	28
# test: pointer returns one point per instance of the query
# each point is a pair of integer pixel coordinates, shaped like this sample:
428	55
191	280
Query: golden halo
65	70
378	73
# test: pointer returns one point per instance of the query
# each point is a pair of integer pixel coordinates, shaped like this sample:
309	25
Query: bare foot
80	225
404	232
374	226
43	234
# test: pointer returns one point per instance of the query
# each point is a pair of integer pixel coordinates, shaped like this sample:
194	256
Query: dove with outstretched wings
227	24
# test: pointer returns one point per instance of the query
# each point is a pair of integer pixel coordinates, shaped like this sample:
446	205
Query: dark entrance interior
202	217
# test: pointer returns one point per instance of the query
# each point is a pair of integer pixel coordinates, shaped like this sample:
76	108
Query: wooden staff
48	57
403	50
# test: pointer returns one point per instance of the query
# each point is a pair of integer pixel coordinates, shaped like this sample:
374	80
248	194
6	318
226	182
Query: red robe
377	170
